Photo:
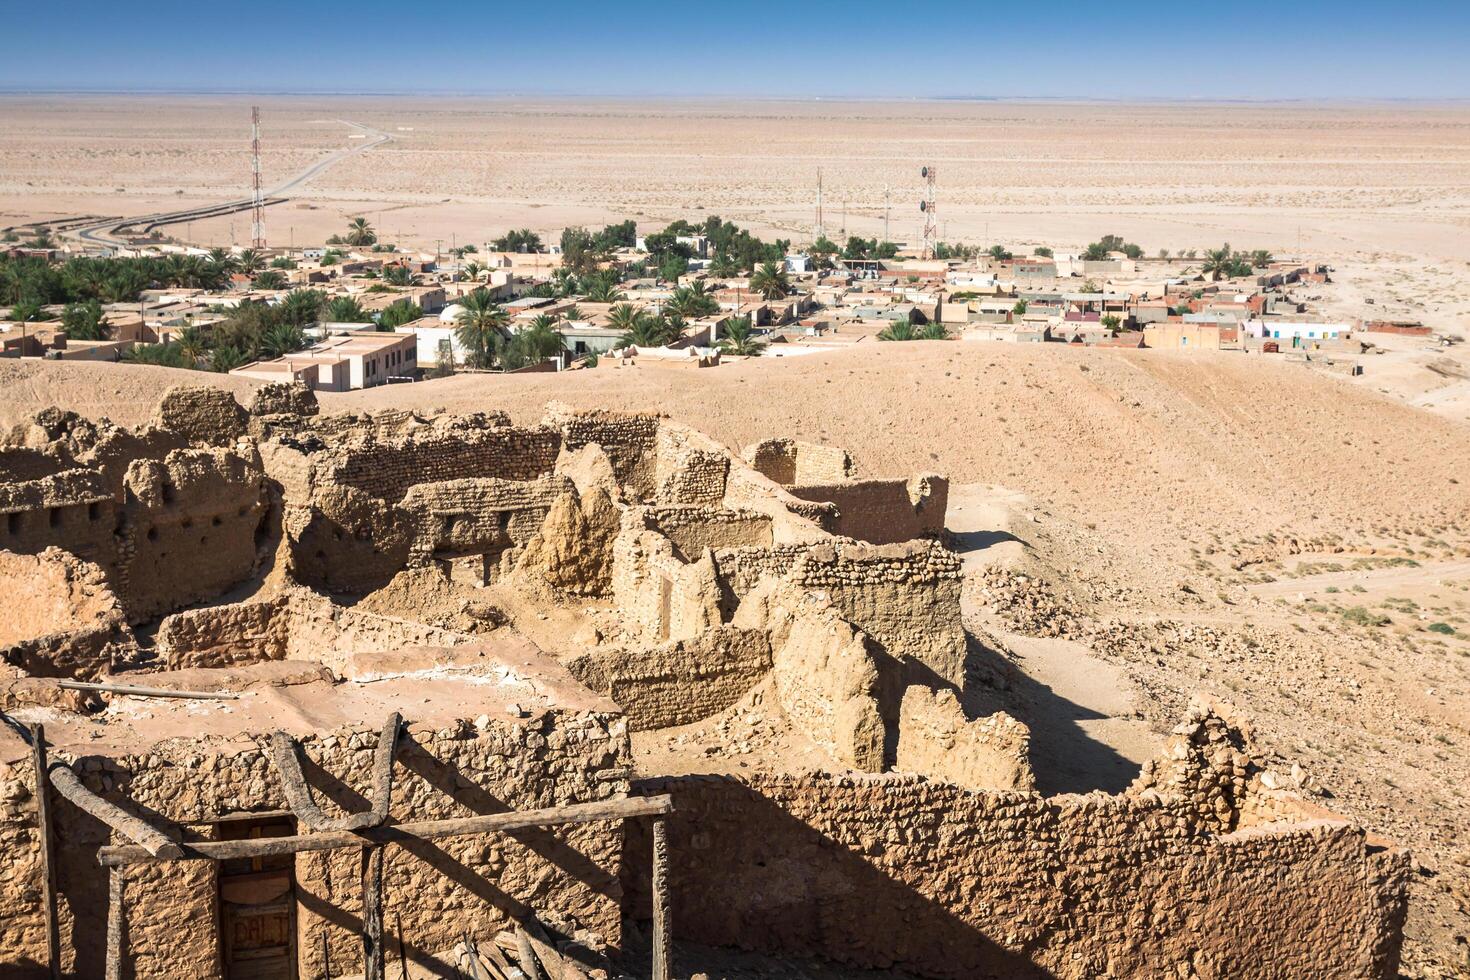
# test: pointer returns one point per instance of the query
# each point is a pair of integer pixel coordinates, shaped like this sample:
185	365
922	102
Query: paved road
99	234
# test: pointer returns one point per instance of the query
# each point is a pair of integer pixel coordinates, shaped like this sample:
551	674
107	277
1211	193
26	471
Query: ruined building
305	687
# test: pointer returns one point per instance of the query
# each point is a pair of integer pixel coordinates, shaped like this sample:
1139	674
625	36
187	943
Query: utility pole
885	214
819	232
257	199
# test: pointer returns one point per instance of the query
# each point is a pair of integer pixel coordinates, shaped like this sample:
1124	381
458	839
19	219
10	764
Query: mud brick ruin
302	689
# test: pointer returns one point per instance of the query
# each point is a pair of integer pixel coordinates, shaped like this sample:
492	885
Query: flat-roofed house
343	362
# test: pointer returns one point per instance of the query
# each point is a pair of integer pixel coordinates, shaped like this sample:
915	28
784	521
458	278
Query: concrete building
343	362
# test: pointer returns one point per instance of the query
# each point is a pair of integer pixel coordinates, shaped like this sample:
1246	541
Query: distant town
356	311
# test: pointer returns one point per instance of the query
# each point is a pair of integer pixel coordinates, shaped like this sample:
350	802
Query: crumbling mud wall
897	870
678	682
60	618
936	740
883	511
441	890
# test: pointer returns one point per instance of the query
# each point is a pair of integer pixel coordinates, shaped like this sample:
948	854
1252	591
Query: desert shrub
1444	628
1360	616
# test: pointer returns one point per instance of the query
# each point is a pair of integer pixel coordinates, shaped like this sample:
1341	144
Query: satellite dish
924	172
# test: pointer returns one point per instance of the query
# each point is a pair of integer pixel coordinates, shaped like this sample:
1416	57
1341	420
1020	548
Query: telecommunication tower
886	237
257	199
931	214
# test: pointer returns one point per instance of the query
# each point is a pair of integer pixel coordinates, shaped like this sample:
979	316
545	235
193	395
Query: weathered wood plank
576	813
48	849
149	837
298	793
147	692
663	953
372	913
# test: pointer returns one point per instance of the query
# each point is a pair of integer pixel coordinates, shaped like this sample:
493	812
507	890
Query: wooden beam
298	793
663	953
147	692
372	912
116	922
576	813
48	849
153	841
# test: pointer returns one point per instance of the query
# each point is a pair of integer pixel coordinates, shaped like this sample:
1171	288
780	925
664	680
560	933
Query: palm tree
225	359
572	312
603	289
934	330
281	339
398	275
481	324
692	301
191	345
359	232
770	281
540	340
223	260
898	330
1261	258
723	264
84	321
250	261
738	339
399	313
302	306
1218	262
270	279
646	330
346	309
622	317
472	271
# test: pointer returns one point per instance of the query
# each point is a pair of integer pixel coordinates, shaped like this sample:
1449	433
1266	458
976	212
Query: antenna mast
927	205
886	237
257	200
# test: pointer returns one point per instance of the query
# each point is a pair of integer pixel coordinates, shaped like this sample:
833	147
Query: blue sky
1305	49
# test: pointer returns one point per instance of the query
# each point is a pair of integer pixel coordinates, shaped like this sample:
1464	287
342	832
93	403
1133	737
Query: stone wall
790	461
883	511
679	682
936	740
60	618
905	596
479	515
692	529
828	681
193	526
893	871
628	439
690	468
387	469
467	884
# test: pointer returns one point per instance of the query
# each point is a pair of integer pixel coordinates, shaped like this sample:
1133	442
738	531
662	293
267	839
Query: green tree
738	339
898	330
403	311
359	232
270	279
771	281
192	347
622	316
480	328
1042	251
472	271
1218	262
602	289
226	359
159	355
581	253
302	306
345	309
1261	258
1111	322
281	339
520	240
646	330
1019	308
397	275
250	261
693	301
933	330
84	321
672	266
29	311
999	253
